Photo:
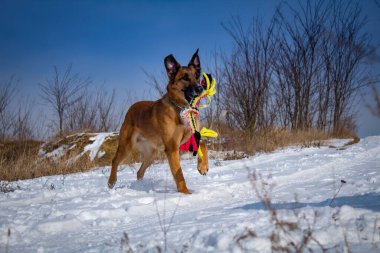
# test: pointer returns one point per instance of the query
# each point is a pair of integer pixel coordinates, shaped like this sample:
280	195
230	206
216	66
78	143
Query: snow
58	152
78	213
93	148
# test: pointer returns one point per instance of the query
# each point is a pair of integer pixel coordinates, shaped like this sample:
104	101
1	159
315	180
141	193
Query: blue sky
112	41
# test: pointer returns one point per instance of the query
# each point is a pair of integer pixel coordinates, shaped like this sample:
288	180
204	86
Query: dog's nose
198	89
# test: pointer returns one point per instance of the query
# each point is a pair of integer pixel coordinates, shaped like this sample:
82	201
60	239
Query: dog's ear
172	66
195	62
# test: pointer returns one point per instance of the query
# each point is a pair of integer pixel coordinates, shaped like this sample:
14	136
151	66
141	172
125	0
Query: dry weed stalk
165	227
125	247
375	242
287	236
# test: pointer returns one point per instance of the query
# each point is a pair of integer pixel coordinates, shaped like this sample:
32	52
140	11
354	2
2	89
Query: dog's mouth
192	91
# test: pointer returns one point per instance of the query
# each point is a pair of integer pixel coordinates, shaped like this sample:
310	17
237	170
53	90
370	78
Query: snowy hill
78	213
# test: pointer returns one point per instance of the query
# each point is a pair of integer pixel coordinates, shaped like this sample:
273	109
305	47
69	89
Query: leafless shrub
302	71
95	111
105	108
23	125
349	49
375	110
157	82
215	113
15	117
62	91
297	64
7	93
285	236
83	114
248	76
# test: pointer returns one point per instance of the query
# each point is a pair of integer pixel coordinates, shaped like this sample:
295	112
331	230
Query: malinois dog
152	126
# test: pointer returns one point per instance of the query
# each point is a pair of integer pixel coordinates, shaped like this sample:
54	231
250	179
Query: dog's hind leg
149	155
125	145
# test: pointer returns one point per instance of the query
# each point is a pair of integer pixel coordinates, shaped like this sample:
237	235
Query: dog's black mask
192	91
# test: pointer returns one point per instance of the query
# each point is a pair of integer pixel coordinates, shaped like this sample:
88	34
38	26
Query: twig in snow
287	236
162	221
124	244
8	236
374	244
342	182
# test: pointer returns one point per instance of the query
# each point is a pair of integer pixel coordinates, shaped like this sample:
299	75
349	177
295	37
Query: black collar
180	107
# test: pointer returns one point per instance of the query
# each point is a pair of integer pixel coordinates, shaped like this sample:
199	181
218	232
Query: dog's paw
111	183
203	170
140	176
185	191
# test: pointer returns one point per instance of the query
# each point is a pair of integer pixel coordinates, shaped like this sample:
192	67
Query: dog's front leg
175	167
203	161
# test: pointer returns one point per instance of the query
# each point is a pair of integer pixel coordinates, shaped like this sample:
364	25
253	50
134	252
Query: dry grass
268	140
354	141
20	160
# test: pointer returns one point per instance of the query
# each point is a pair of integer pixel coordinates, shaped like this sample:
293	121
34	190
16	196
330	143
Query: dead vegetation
292	234
354	141
268	140
22	161
30	159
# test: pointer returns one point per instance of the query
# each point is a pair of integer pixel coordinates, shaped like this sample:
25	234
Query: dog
153	126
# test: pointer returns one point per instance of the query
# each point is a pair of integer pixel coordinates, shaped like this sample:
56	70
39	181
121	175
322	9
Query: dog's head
184	81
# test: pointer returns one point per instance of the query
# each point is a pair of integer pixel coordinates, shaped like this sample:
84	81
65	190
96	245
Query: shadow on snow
370	201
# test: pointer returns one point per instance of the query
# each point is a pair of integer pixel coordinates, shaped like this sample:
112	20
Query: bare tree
106	111
157	83
320	64
63	91
15	113
347	72
95	111
299	65
248	74
375	109
22	121
376	95
83	114
7	93
213	115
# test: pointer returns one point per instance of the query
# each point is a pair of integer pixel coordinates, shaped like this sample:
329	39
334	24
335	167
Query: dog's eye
185	78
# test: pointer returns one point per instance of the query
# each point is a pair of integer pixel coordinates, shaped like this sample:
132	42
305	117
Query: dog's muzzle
193	91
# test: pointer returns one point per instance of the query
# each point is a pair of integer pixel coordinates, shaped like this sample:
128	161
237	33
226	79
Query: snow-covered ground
78	213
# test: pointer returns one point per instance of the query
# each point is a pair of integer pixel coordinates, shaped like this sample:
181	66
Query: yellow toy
191	116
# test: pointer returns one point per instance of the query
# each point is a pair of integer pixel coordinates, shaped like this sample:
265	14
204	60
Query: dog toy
208	84
191	117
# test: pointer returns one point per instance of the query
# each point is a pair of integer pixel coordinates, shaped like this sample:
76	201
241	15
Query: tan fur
153	126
